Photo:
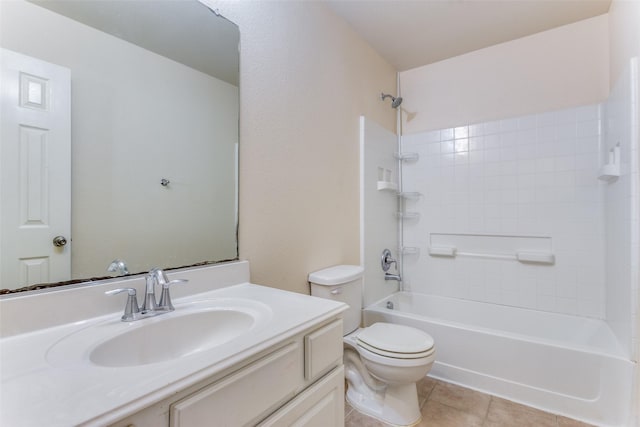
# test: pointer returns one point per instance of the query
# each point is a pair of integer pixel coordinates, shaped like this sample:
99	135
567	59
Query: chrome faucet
131	310
150	307
389	276
155	276
385	261
118	266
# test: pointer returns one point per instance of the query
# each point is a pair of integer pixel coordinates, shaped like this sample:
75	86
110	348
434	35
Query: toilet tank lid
336	275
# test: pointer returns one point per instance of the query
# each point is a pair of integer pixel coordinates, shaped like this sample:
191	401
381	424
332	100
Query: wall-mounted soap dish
385	180
611	171
387	185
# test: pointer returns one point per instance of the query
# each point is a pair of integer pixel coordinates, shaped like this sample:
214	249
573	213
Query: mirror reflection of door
35	171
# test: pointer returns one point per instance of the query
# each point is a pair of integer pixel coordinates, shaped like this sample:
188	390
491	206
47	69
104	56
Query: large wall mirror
119	138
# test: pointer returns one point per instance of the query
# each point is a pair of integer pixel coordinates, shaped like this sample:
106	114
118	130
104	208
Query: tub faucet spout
389	276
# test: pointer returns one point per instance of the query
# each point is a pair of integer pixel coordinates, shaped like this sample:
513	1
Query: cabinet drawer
322	350
241	398
321	405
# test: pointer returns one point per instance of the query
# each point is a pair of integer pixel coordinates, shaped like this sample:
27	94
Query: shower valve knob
386	260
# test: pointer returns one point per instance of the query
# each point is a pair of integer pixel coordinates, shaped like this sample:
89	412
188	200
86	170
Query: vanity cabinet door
322	350
321	405
242	398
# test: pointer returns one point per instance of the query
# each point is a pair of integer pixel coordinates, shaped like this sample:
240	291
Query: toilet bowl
383	361
386	387
395	353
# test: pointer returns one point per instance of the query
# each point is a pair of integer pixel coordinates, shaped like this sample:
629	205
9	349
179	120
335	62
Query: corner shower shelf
611	171
408	215
407	157
387	185
409	195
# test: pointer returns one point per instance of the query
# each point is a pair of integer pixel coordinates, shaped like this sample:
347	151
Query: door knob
59	241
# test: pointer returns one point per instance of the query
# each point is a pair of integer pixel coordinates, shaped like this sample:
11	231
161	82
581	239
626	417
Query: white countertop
34	392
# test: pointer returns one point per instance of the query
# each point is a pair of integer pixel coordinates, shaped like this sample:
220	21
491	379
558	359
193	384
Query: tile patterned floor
448	405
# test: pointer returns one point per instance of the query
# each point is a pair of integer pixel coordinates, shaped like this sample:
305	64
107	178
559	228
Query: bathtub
568	365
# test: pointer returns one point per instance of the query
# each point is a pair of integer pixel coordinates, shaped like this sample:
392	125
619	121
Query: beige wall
559	68
305	78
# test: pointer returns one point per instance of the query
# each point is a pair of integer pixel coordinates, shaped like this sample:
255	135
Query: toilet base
396	404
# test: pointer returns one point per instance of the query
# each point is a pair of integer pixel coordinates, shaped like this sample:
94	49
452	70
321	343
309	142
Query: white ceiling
185	31
412	33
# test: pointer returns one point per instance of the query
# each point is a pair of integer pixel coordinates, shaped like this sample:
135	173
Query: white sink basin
172	338
192	328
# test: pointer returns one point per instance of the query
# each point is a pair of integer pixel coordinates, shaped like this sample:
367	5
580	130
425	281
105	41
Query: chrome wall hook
165	182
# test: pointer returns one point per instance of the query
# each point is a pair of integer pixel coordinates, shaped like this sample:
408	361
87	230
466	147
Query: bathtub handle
386	260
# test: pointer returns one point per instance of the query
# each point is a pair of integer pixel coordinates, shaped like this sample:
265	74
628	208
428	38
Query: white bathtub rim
608	404
616	353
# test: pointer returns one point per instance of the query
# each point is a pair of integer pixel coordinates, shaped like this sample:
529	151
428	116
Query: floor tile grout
486	413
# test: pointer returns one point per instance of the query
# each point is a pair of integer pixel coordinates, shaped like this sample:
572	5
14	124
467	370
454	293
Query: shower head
395	102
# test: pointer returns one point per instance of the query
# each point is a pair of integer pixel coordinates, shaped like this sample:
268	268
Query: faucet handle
386	260
160	275
173	282
131	309
165	298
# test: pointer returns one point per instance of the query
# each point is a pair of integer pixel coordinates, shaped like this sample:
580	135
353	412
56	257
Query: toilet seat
395	362
394	355
395	341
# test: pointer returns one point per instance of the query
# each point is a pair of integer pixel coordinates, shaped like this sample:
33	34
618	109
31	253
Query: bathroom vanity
231	354
294	381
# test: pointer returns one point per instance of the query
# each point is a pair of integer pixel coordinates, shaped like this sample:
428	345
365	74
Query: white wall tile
520	176
461	132
546	134
446	134
588	128
588	112
534	175
461	145
565	131
528	122
476	129
546	119
566	116
432	136
447	146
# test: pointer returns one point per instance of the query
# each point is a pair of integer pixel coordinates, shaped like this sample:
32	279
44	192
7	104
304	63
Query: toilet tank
341	283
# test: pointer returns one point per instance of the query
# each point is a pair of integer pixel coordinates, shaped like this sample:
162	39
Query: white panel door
35	171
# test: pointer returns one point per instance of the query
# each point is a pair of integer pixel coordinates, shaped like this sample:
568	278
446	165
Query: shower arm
395	101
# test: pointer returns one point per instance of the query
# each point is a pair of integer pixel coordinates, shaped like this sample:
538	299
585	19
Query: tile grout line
486	414
429	395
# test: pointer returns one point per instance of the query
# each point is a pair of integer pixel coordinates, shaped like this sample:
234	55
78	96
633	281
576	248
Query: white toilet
383	361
